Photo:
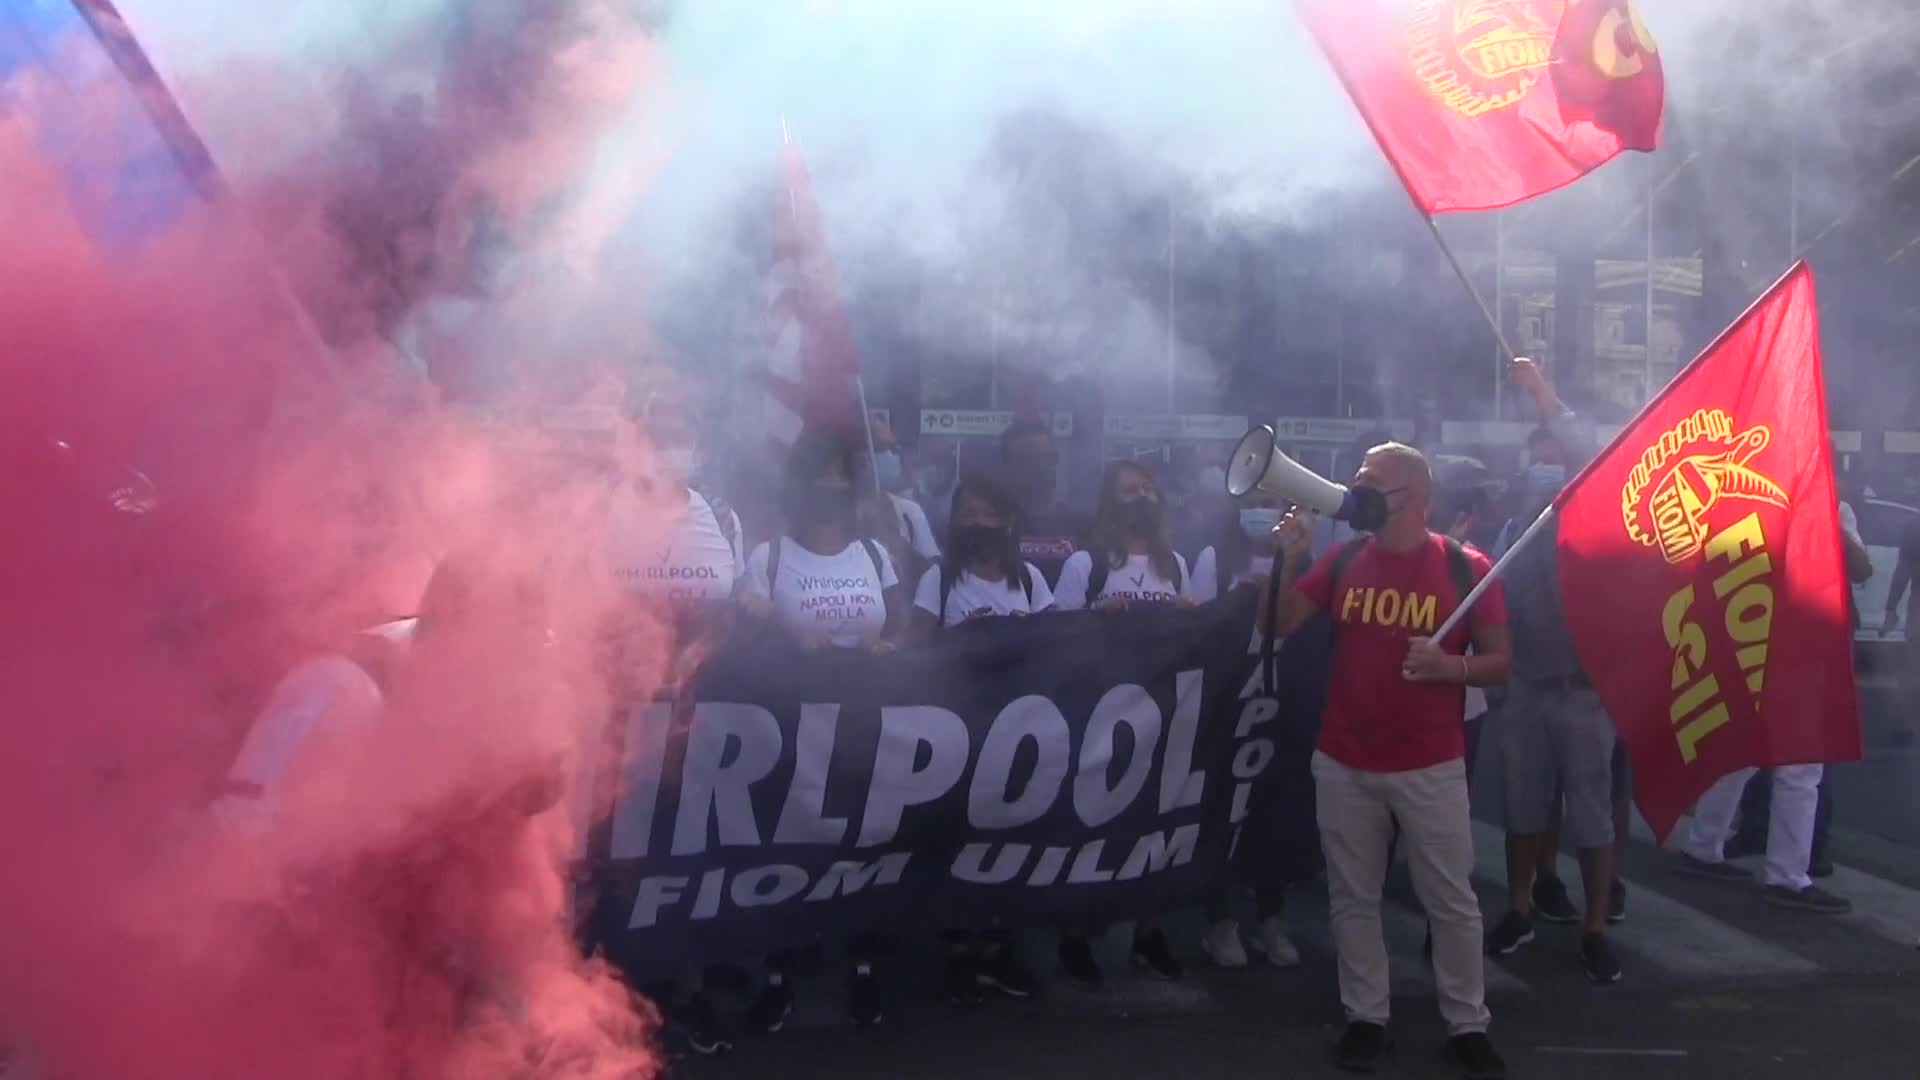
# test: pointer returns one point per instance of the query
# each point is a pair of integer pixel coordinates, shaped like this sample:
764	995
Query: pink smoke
192	507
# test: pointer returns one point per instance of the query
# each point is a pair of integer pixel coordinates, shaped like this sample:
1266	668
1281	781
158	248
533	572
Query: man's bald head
1392	466
1401	474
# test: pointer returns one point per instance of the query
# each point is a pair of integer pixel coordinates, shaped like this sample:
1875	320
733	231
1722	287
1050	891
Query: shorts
1556	740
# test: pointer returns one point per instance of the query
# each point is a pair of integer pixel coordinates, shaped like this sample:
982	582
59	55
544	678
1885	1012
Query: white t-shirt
914	526
837	594
973	597
1206	574
1136	582
694	562
1850	524
328	695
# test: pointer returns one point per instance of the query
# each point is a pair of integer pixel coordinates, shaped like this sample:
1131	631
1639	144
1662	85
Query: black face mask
1141	517
973	541
1370	510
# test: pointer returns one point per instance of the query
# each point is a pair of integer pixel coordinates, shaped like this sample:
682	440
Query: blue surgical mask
1545	481
1259	522
887	469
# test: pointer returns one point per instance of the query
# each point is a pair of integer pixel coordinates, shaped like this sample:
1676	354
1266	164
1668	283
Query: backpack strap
1460	567
1097	573
879	568
773	565
948	576
1343	558
722	516
1026	583
1179	576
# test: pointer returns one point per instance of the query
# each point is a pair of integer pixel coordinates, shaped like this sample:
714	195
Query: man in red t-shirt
1392	747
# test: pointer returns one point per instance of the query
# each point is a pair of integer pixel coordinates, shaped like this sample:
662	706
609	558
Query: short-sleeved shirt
1135	582
915	527
1206	574
323	697
695	561
843	595
1375	719
973	597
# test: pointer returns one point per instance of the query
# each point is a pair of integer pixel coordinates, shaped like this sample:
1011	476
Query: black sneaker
1813	898
959	982
864	1004
771	1006
1718	871
694	1027
1617	903
1512	932
1473	1054
1362	1047
1152	953
1000	970
1076	959
1551	904
1598	961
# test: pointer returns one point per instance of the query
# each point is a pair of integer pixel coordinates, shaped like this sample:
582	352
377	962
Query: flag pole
1647	357
1172	369
1466	280
1551	513
1499	304
1547	517
866	425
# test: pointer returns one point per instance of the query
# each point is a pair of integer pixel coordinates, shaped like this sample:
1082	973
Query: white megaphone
1259	464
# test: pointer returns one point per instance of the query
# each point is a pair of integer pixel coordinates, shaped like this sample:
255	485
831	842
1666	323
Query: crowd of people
1403	715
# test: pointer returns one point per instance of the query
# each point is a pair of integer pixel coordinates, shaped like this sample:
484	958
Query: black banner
1062	769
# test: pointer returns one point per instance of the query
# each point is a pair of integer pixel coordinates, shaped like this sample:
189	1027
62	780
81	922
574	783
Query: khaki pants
1357	812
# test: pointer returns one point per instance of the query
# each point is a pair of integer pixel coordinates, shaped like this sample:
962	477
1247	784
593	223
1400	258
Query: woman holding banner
1127	562
823	585
980	576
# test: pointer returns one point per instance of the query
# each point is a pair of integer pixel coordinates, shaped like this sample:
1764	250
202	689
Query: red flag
812	362
1486	103
1702	568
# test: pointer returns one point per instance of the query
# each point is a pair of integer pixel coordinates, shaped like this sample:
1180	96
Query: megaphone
1259	464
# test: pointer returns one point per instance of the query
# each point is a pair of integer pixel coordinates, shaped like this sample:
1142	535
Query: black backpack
1103	566
949	576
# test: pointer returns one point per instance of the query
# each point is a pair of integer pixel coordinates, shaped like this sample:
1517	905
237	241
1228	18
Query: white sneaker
1272	940
1222	945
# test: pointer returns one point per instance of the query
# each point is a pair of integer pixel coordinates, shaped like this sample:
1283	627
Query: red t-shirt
1375	719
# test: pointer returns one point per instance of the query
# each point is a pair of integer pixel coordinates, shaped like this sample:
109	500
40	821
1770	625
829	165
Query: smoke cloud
203	493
